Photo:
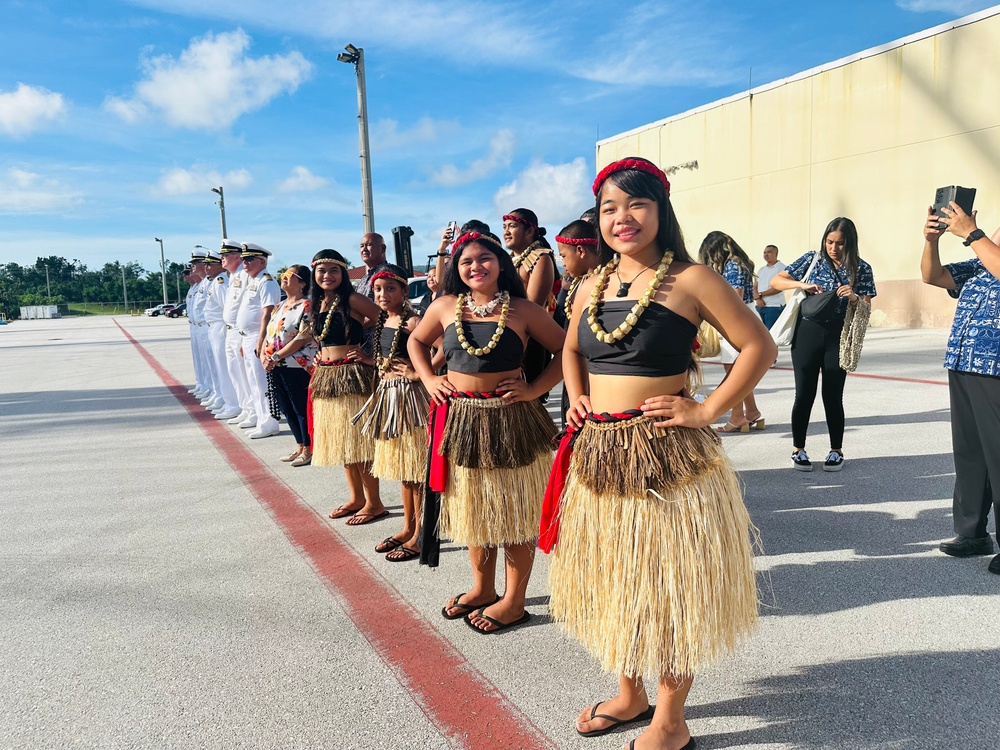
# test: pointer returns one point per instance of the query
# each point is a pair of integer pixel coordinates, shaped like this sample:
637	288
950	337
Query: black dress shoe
994	566
966	546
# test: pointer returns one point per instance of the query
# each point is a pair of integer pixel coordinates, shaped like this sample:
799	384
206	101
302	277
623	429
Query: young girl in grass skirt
652	567
341	383
395	416
491	449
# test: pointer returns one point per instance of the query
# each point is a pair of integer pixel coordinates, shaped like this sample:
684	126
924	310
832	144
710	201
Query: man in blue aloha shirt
973	362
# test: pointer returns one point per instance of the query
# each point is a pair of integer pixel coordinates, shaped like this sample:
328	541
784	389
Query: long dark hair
303	274
718	248
640	184
343	291
509	280
851	257
538	232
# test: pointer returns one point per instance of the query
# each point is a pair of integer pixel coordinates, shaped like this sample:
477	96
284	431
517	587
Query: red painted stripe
458	699
863	375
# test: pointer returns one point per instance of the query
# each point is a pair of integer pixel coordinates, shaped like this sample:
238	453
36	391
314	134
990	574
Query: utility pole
163	270
356	56
222	209
124	288
48	288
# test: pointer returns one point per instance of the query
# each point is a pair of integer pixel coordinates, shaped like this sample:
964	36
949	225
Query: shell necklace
329	316
504	298
571	294
385	363
637	309
483	310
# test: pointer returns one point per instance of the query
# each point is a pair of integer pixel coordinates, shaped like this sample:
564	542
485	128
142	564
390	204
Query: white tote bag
784	327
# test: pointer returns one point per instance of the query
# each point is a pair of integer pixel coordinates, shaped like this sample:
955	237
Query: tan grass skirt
656	581
338	393
499	457
395	417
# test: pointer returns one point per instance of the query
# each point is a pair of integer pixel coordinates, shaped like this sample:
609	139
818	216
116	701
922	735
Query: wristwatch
975	234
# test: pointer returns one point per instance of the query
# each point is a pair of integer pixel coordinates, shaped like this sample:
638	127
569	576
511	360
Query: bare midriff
480	382
333	353
618	393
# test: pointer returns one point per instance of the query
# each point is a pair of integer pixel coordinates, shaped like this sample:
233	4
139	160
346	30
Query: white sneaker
248	423
801	462
268	429
834	462
228	414
217	405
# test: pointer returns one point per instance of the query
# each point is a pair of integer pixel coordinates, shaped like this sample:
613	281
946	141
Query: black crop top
507	355
657	346
385	342
335	336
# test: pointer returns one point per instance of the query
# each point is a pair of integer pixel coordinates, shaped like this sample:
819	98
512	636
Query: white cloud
25	108
211	84
199	179
558	193
301	179
955	7
500	153
27	192
386	134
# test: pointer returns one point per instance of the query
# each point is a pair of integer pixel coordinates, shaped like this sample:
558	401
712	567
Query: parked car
178	311
159	310
420	296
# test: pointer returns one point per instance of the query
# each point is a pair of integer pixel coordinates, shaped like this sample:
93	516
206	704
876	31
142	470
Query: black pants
815	350
291	385
975	437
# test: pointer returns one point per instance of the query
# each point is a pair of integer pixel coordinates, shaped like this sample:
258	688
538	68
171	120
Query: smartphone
453	229
963	196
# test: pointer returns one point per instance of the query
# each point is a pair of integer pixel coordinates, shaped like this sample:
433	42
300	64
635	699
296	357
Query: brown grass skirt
338	393
396	418
499	457
655	581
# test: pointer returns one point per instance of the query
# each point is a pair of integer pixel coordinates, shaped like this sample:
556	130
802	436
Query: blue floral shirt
974	343
740	279
830	278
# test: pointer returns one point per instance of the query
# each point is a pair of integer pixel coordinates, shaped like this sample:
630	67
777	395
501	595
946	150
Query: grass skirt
499	457
338	393
395	417
655	581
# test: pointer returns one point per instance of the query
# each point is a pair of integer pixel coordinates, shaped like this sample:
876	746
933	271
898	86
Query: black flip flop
616	722
369	518
388	544
467	607
498	626
403	554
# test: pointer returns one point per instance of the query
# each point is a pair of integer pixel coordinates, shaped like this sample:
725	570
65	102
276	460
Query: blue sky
116	118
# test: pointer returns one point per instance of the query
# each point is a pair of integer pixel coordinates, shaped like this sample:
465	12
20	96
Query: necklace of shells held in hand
637	309
504	300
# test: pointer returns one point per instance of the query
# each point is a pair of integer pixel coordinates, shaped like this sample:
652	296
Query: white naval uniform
199	374
262	291
196	313
234	358
215	300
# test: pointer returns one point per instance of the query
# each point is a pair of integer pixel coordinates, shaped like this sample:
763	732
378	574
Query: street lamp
356	57
163	269
222	209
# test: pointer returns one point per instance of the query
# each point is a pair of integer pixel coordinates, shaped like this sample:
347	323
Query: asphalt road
167	583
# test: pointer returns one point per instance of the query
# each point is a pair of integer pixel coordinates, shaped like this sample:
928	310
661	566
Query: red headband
469	237
640	164
576	240
520	220
389	275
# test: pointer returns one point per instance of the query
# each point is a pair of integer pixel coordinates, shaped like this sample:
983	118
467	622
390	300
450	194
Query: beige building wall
869	137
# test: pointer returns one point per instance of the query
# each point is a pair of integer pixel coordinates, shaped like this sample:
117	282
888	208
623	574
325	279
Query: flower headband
389	275
469	237
640	164
576	240
335	262
520	220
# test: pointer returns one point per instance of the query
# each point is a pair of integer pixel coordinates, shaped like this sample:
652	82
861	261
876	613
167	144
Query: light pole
356	56
48	288
124	288
222	209
163	270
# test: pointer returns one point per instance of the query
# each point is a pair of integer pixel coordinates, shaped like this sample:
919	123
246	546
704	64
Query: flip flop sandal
469	608
388	545
498	626
368	518
615	721
343	511
403	554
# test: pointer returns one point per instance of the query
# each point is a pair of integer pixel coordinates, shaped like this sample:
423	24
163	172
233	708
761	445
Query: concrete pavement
152	599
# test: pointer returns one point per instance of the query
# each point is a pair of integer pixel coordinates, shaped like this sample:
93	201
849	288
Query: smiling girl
652	569
492	452
341	384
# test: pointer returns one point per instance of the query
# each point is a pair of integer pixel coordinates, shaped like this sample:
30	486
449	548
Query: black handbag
821	308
